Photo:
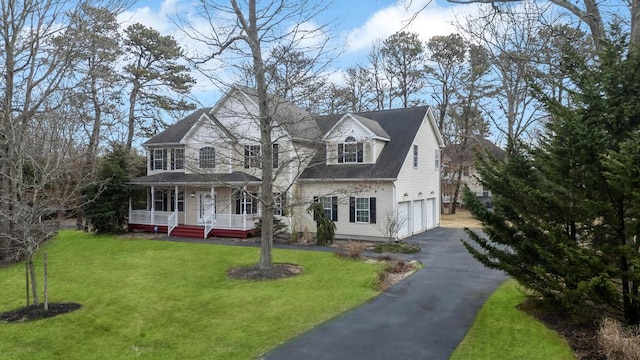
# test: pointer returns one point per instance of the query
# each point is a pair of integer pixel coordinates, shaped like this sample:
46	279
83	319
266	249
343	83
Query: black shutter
275	156
315	215
359	151
238	202
352	209
151	161
372	210
164	159
334	208
340	153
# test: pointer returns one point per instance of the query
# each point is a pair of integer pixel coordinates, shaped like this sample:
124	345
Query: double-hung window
329	205
350	151
207	158
251	156
415	156
177	159
362	210
158	159
280	203
246	203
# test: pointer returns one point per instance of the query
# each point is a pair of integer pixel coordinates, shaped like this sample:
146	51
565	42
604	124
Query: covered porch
195	208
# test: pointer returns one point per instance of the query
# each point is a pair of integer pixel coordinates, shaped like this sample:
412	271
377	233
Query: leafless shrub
350	249
619	342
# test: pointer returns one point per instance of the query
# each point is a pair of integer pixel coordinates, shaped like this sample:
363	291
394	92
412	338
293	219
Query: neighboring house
204	173
459	161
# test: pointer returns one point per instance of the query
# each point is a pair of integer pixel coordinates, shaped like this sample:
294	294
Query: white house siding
345	128
382	191
421	183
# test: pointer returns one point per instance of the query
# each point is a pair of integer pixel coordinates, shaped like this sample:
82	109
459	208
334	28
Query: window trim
415	156
350	151
158	160
279	203
177	162
360	211
252	156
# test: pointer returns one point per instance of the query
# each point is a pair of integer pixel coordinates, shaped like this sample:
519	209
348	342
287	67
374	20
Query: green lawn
163	300
501	331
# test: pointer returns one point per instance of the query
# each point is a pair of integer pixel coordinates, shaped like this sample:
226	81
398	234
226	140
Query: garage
418	223
431	213
404	219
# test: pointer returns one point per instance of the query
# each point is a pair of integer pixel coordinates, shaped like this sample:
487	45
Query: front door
206	206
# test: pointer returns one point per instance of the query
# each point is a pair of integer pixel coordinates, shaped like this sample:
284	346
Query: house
459	161
373	172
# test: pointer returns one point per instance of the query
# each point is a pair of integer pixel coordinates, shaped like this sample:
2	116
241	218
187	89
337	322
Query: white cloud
428	22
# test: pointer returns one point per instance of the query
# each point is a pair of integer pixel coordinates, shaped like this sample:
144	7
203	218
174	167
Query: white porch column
153	203
213	204
175	199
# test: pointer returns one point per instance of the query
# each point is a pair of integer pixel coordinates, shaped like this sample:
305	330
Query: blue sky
357	23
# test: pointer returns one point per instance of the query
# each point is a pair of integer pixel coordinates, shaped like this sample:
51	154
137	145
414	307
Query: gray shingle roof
176	178
297	122
176	132
401	126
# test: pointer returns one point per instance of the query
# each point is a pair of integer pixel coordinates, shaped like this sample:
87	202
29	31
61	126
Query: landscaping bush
618	342
398	247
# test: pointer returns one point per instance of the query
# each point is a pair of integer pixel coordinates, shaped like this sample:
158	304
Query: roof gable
175	133
402	126
370	126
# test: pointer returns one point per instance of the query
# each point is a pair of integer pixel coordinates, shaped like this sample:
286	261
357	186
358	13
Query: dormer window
350	151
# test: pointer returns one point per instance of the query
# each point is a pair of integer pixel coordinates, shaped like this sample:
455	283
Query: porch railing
147	217
209	223
213	221
172	222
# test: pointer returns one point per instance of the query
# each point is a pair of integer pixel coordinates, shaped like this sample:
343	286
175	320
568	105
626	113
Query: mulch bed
581	334
253	272
35	312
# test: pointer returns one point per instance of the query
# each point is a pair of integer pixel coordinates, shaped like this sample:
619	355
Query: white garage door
431	213
418	224
405	220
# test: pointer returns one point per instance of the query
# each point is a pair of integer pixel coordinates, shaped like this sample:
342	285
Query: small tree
108	212
325	228
391	225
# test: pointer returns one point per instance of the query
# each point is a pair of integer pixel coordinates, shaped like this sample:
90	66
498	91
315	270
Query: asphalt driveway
422	317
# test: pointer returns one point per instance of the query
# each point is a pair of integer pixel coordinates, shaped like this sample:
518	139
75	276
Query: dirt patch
35	312
462	218
581	334
253	272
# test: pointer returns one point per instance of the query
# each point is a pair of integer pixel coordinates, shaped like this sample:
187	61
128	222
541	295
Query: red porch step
192	231
188	231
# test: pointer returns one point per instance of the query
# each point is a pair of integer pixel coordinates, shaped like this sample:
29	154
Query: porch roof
178	178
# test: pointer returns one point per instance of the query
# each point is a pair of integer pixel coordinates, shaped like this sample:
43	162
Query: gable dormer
355	140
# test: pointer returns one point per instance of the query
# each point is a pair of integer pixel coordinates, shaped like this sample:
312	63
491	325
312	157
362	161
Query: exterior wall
382	191
423	182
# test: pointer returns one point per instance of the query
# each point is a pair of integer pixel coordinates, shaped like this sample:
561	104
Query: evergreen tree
562	220
108	212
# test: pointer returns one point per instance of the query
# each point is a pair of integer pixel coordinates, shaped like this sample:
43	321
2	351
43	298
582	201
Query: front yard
164	300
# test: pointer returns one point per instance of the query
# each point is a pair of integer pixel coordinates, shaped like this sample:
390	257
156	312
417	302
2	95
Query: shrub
325	228
398	247
277	226
619	342
350	249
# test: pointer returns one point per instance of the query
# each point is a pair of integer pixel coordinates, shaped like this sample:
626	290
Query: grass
501	331
163	300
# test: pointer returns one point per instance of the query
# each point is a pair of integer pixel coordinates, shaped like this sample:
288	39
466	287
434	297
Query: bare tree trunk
26	276
456	191
45	291
132	115
34	284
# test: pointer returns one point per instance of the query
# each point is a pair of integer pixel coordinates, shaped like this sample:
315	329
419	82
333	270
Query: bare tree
255	26
403	56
